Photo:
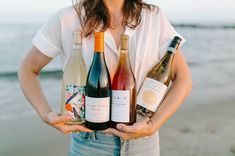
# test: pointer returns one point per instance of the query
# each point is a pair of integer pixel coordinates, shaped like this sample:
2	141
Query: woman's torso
143	43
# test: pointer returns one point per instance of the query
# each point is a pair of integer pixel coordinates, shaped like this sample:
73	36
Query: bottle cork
124	42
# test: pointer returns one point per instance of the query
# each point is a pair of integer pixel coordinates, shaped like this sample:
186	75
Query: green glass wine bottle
157	81
98	89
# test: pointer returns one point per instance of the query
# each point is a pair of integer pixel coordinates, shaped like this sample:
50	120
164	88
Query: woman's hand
58	122
137	130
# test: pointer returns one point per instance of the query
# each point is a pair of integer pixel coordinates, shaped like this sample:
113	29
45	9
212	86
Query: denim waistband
96	134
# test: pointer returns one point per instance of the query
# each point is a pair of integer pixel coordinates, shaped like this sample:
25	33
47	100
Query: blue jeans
101	144
94	143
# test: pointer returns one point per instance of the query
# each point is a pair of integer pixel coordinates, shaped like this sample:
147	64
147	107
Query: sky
177	11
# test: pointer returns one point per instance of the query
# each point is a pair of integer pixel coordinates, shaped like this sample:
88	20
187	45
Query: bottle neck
77	46
174	45
170	53
168	57
124	61
98	56
124	58
77	50
98	61
124	52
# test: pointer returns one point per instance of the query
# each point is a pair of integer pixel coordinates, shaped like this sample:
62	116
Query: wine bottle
73	83
156	83
123	107
98	89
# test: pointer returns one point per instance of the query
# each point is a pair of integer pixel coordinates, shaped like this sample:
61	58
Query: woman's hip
94	143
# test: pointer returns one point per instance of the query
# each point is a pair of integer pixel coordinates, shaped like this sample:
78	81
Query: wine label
97	109
75	101
120	106
151	94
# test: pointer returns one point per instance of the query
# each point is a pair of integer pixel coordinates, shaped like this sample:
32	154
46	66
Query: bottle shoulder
98	72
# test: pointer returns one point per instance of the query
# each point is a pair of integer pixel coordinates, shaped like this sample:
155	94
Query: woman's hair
94	14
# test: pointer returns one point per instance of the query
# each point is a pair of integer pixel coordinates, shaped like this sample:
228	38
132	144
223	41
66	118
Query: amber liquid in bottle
155	84
98	89
73	83
123	107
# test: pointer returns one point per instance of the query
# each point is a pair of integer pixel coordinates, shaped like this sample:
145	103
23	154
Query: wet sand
205	130
29	136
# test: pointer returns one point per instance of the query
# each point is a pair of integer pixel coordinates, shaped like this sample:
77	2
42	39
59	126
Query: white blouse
147	43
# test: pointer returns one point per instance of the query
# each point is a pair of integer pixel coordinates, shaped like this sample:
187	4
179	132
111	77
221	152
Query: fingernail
119	127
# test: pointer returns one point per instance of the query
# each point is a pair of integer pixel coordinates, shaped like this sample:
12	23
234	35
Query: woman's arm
28	77
180	88
28	73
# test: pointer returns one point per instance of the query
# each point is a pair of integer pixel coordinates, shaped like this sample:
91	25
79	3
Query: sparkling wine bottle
98	89
156	83
73	83
123	107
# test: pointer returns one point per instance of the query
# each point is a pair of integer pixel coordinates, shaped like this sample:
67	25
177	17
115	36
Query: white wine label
151	94
120	106
97	109
75	101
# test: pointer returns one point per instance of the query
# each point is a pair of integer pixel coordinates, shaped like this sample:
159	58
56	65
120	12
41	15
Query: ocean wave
200	26
44	74
35	26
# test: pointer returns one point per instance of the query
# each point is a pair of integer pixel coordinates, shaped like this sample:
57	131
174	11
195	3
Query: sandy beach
195	130
203	130
29	136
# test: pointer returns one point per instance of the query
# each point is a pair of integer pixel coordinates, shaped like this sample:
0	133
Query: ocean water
209	51
15	42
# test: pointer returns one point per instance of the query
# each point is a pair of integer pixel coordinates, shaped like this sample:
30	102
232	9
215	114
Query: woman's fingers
72	128
127	129
83	129
62	118
58	122
137	130
124	136
54	118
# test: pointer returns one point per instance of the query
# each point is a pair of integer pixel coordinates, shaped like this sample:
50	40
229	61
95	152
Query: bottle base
75	122
144	111
97	126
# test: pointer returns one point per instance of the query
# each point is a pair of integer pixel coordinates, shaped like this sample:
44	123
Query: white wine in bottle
156	83
73	83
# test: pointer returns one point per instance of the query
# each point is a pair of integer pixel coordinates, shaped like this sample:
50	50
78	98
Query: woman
149	33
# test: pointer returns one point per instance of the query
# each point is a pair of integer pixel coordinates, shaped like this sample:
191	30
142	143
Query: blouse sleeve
167	33
48	38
